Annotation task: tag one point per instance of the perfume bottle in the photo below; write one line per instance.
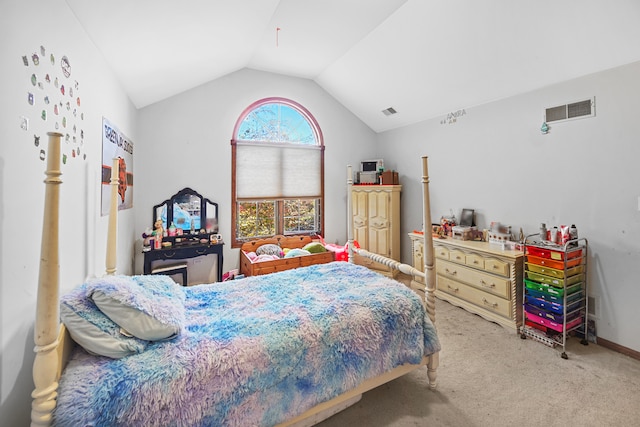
(543, 231)
(573, 232)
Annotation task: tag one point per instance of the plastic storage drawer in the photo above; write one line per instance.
(553, 281)
(551, 290)
(551, 324)
(551, 254)
(558, 265)
(571, 298)
(550, 306)
(552, 272)
(554, 317)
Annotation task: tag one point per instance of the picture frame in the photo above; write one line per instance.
(467, 217)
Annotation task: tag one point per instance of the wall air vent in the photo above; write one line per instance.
(389, 111)
(575, 110)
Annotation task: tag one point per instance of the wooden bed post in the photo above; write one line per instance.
(349, 214)
(47, 324)
(430, 278)
(113, 219)
(429, 273)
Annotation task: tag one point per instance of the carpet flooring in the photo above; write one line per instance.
(489, 376)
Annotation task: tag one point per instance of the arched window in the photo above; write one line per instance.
(278, 172)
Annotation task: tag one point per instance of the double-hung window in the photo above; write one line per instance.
(278, 172)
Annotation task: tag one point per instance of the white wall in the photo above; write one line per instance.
(185, 140)
(495, 160)
(24, 27)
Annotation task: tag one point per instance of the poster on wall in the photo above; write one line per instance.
(116, 145)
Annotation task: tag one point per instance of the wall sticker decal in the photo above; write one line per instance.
(51, 102)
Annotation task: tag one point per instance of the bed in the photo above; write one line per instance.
(307, 343)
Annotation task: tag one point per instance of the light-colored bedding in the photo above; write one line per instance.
(256, 351)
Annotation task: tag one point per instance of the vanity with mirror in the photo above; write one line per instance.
(188, 224)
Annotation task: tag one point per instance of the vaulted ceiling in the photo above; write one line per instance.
(424, 58)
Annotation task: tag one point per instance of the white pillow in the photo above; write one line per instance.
(93, 330)
(148, 307)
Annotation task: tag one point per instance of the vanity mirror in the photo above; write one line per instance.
(190, 213)
(188, 210)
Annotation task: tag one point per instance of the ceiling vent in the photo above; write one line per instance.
(389, 111)
(575, 110)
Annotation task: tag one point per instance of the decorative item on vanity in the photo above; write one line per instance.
(447, 223)
(467, 229)
(461, 232)
(499, 234)
(559, 235)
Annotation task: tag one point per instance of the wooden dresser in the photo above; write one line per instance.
(376, 223)
(477, 276)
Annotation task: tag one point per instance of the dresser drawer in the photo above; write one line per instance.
(497, 266)
(458, 256)
(475, 261)
(475, 296)
(487, 282)
(441, 252)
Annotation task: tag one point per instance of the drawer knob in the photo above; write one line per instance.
(489, 304)
(452, 289)
(453, 273)
(487, 285)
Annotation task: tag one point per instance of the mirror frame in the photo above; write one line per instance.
(204, 202)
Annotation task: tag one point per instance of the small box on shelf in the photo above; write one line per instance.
(460, 232)
(389, 178)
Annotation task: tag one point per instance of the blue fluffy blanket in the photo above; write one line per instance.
(255, 352)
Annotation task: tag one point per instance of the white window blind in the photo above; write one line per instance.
(277, 171)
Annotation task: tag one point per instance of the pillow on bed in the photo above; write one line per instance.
(93, 330)
(270, 249)
(297, 252)
(148, 307)
(315, 247)
(251, 255)
(266, 257)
